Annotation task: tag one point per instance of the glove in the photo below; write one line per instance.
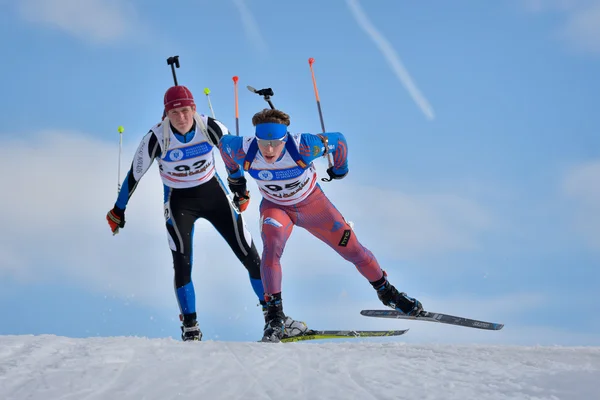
(241, 202)
(339, 174)
(116, 219)
(241, 195)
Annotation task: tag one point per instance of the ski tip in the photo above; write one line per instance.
(235, 79)
(311, 61)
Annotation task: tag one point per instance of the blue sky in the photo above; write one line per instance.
(474, 161)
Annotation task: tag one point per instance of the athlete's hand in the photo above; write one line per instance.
(337, 173)
(241, 202)
(116, 219)
(241, 196)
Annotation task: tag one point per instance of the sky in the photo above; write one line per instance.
(132, 368)
(474, 160)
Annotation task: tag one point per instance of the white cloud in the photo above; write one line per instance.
(101, 21)
(63, 183)
(413, 224)
(583, 28)
(62, 186)
(250, 25)
(582, 185)
(391, 57)
(581, 25)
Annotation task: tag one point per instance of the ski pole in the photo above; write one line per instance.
(174, 62)
(237, 115)
(310, 63)
(120, 129)
(207, 93)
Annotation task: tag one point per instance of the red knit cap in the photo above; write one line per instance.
(178, 96)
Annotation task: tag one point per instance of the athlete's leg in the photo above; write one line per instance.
(276, 227)
(222, 214)
(319, 216)
(228, 221)
(180, 231)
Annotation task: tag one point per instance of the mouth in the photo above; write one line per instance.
(180, 125)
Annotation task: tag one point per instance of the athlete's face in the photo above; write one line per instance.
(182, 118)
(270, 149)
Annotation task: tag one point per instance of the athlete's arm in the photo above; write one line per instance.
(232, 150)
(315, 146)
(145, 154)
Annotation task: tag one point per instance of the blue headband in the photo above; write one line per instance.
(271, 131)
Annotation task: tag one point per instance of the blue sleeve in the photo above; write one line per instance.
(124, 193)
(233, 154)
(145, 154)
(313, 147)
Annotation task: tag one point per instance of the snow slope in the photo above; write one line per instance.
(58, 368)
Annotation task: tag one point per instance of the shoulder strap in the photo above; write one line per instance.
(166, 137)
(291, 148)
(250, 154)
(200, 123)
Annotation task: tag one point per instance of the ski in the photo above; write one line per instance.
(317, 335)
(435, 317)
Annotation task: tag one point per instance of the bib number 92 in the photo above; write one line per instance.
(184, 168)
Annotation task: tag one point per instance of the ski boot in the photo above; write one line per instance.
(190, 331)
(399, 301)
(291, 326)
(274, 320)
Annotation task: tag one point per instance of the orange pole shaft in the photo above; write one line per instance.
(310, 63)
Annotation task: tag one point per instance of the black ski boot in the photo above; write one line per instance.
(399, 301)
(274, 320)
(190, 331)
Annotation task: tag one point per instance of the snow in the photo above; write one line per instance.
(60, 368)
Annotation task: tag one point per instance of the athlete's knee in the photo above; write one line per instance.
(352, 250)
(252, 262)
(272, 252)
(182, 265)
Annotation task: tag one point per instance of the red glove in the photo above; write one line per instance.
(241, 202)
(116, 219)
(241, 195)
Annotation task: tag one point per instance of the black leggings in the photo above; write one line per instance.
(209, 201)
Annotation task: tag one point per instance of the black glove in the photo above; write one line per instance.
(241, 196)
(339, 175)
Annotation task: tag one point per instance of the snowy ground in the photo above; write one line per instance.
(58, 368)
